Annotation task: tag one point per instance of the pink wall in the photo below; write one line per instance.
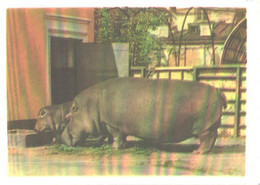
(27, 86)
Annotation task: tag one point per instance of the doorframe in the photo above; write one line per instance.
(66, 27)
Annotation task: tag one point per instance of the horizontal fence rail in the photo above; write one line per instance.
(230, 79)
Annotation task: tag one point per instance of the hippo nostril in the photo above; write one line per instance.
(38, 129)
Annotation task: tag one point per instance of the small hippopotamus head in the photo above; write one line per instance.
(44, 120)
(79, 126)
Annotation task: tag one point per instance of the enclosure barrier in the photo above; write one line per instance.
(230, 79)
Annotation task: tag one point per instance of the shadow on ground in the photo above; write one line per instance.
(188, 148)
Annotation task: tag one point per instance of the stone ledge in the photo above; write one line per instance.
(22, 138)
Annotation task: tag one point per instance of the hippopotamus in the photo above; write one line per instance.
(53, 118)
(158, 111)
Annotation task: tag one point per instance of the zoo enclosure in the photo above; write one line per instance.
(230, 79)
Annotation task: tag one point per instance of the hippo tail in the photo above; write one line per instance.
(223, 98)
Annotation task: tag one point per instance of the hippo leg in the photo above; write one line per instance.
(57, 139)
(118, 139)
(110, 139)
(207, 140)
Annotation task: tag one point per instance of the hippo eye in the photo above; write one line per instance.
(74, 109)
(42, 113)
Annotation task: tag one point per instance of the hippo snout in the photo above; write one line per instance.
(39, 128)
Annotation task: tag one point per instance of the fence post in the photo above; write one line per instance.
(158, 75)
(143, 71)
(237, 105)
(195, 75)
(182, 75)
(169, 75)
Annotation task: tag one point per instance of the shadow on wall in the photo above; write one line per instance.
(80, 65)
(99, 62)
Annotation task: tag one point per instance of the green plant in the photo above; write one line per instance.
(132, 25)
(68, 149)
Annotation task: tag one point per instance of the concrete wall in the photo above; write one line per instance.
(121, 53)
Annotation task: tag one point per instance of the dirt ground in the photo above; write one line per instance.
(138, 159)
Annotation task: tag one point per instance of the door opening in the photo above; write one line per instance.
(63, 73)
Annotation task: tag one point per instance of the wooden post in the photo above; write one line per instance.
(182, 74)
(237, 104)
(185, 55)
(195, 74)
(204, 54)
(143, 72)
(158, 74)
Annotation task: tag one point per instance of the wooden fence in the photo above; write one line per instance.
(231, 79)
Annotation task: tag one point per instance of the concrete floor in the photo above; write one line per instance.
(226, 159)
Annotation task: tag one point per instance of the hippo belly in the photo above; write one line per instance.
(161, 110)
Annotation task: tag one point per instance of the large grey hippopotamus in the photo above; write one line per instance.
(53, 118)
(159, 111)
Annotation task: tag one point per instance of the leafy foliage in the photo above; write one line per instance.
(132, 25)
(68, 149)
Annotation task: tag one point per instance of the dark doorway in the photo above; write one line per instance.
(63, 73)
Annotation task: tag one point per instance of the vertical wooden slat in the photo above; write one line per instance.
(204, 54)
(169, 77)
(182, 74)
(158, 74)
(185, 49)
(195, 74)
(237, 105)
(143, 72)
